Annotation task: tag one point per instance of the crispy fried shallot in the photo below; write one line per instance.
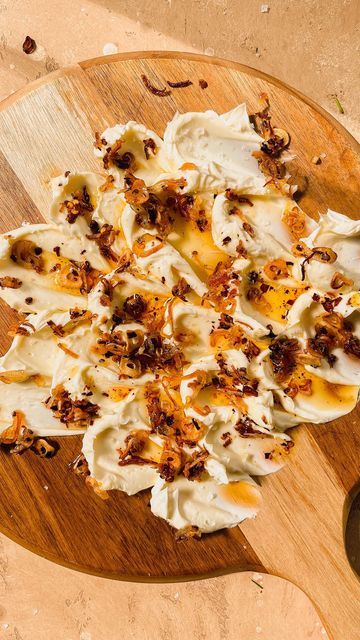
(171, 461)
(154, 90)
(150, 148)
(190, 532)
(80, 205)
(21, 438)
(295, 221)
(194, 467)
(276, 269)
(339, 280)
(27, 254)
(180, 84)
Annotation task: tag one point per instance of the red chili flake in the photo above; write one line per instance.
(203, 84)
(251, 350)
(226, 321)
(154, 90)
(124, 161)
(29, 45)
(179, 85)
(246, 427)
(94, 226)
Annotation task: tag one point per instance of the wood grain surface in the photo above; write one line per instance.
(48, 128)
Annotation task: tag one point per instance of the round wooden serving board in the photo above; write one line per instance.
(48, 128)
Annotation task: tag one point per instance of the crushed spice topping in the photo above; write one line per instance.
(75, 414)
(237, 197)
(223, 286)
(134, 306)
(134, 445)
(270, 166)
(333, 331)
(79, 206)
(295, 220)
(276, 269)
(171, 461)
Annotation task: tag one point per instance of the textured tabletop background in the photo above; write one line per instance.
(312, 45)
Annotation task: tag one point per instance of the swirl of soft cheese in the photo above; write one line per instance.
(64, 188)
(327, 401)
(28, 351)
(133, 136)
(123, 285)
(42, 287)
(79, 369)
(166, 264)
(191, 326)
(342, 235)
(345, 370)
(106, 436)
(220, 146)
(258, 408)
(35, 354)
(271, 237)
(107, 201)
(206, 504)
(259, 455)
(227, 224)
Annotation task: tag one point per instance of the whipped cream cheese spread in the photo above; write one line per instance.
(181, 312)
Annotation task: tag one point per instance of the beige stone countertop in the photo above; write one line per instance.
(312, 45)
